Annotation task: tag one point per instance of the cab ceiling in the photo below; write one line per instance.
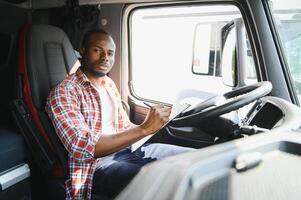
(36, 4)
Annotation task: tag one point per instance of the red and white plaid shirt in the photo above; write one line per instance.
(74, 107)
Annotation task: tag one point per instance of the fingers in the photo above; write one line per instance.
(157, 116)
(160, 114)
(163, 115)
(162, 108)
(161, 111)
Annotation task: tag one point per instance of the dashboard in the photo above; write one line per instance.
(212, 172)
(271, 112)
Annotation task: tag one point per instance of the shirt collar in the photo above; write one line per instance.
(83, 79)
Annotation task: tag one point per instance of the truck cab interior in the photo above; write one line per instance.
(236, 63)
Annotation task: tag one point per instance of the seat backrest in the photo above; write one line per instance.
(46, 57)
(50, 57)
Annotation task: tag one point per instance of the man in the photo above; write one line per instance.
(88, 116)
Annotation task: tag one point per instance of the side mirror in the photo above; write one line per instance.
(228, 55)
(201, 49)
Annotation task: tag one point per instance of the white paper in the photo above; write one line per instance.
(175, 111)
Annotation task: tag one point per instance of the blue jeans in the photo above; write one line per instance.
(115, 171)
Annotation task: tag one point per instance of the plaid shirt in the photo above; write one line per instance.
(74, 107)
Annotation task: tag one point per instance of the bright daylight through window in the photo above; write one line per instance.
(287, 16)
(175, 51)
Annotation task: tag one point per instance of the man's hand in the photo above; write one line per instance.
(155, 119)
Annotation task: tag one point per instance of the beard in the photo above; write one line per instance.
(90, 68)
(96, 72)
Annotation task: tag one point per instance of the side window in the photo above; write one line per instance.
(204, 55)
(287, 18)
(176, 51)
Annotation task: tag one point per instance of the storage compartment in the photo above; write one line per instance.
(14, 172)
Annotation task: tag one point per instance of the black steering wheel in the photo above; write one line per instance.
(222, 104)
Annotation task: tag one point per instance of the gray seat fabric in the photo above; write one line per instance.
(49, 59)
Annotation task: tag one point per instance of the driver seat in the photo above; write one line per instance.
(46, 57)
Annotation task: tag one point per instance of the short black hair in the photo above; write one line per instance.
(90, 33)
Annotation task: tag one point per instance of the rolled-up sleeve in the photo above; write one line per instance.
(63, 108)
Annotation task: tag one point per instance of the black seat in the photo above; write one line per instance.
(50, 57)
(46, 57)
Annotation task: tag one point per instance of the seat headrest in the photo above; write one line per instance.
(49, 58)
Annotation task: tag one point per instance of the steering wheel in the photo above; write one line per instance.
(222, 104)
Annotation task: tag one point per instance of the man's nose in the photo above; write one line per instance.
(104, 57)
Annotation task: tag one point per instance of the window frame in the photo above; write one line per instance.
(127, 42)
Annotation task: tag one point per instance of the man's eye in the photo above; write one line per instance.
(96, 50)
(111, 54)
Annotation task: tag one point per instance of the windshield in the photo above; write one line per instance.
(287, 17)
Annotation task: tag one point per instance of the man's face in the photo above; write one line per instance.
(98, 56)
